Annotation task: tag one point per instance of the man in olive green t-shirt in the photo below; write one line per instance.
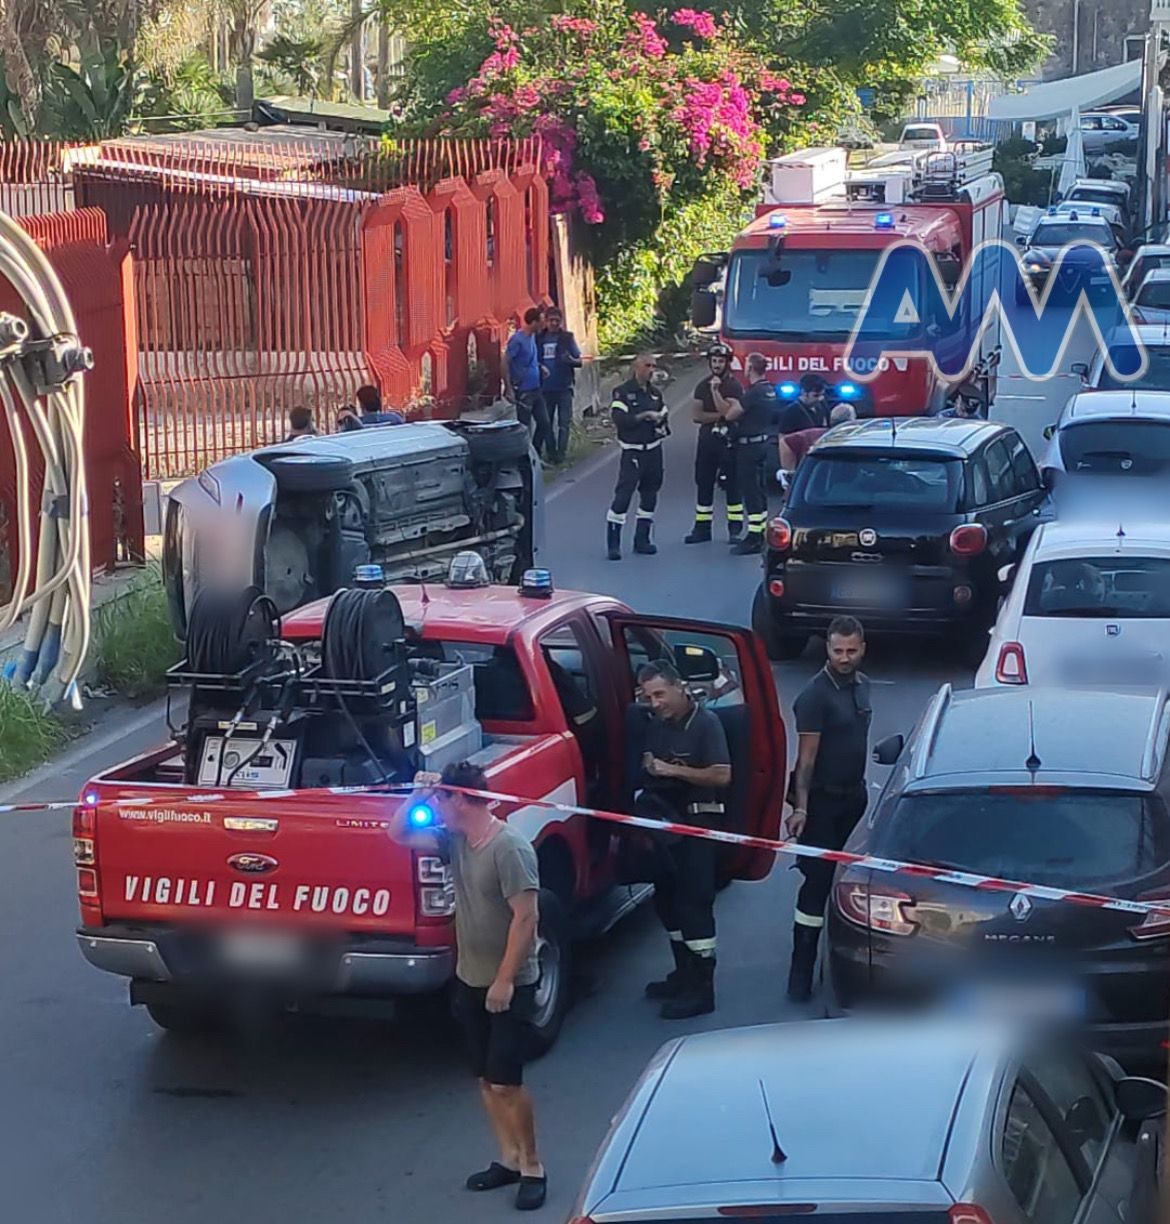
(496, 883)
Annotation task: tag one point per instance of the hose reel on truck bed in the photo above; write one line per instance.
(270, 713)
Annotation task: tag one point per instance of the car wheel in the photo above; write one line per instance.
(184, 1020)
(502, 443)
(554, 952)
(306, 473)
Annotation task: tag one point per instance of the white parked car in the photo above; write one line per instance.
(1154, 338)
(1146, 258)
(1089, 605)
(1109, 433)
(923, 136)
(1151, 303)
(1102, 131)
(1111, 210)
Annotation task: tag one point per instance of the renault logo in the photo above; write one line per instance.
(1113, 631)
(867, 537)
(253, 864)
(1021, 907)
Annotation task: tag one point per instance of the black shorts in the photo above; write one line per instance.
(498, 1043)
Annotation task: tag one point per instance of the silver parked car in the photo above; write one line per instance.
(894, 1121)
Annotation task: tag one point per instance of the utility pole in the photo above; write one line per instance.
(357, 59)
(1152, 165)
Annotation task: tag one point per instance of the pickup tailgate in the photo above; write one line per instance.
(319, 860)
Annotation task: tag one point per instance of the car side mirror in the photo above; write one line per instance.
(1139, 1098)
(950, 268)
(1048, 478)
(889, 750)
(1006, 574)
(696, 664)
(703, 308)
(1081, 370)
(1021, 240)
(1049, 432)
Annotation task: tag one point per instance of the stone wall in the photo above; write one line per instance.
(1101, 29)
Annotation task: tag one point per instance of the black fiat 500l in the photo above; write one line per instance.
(905, 523)
(1061, 788)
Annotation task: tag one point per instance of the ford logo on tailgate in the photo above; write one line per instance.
(253, 864)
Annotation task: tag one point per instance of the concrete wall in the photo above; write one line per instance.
(1101, 29)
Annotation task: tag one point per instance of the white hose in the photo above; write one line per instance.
(58, 632)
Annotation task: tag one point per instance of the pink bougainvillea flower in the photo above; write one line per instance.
(797, 99)
(645, 37)
(703, 25)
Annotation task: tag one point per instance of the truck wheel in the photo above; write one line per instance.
(554, 951)
(183, 1021)
(307, 473)
(502, 443)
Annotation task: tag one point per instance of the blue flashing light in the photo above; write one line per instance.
(777, 220)
(537, 583)
(788, 389)
(848, 390)
(1096, 212)
(883, 220)
(1052, 210)
(421, 816)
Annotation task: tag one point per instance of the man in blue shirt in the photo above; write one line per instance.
(522, 381)
(560, 358)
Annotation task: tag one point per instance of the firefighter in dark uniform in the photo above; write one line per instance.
(686, 770)
(714, 398)
(750, 423)
(829, 796)
(641, 419)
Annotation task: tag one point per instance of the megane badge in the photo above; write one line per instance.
(1113, 630)
(867, 537)
(1021, 907)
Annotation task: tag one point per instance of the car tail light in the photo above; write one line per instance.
(875, 907)
(87, 882)
(436, 890)
(780, 534)
(84, 828)
(86, 860)
(969, 540)
(1156, 924)
(1011, 667)
(776, 588)
(968, 1213)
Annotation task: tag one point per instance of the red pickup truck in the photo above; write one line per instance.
(305, 894)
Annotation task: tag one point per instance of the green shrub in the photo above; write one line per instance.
(133, 642)
(28, 735)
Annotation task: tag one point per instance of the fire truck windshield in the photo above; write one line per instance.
(811, 295)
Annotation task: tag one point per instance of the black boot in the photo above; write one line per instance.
(697, 997)
(671, 985)
(700, 534)
(642, 541)
(613, 540)
(804, 962)
(734, 530)
(753, 542)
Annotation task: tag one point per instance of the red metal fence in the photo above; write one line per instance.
(98, 279)
(277, 270)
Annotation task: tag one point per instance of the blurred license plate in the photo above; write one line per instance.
(1119, 670)
(264, 951)
(872, 589)
(1035, 1001)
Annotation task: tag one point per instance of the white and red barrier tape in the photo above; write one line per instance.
(965, 879)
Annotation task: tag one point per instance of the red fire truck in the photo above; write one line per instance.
(290, 891)
(795, 279)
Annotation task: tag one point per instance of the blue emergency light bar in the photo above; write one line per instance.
(777, 220)
(788, 389)
(848, 391)
(537, 584)
(883, 220)
(1052, 210)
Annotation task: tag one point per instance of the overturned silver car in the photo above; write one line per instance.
(296, 519)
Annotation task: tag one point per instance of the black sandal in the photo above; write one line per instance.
(532, 1193)
(493, 1177)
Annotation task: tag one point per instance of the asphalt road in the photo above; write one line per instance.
(104, 1118)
